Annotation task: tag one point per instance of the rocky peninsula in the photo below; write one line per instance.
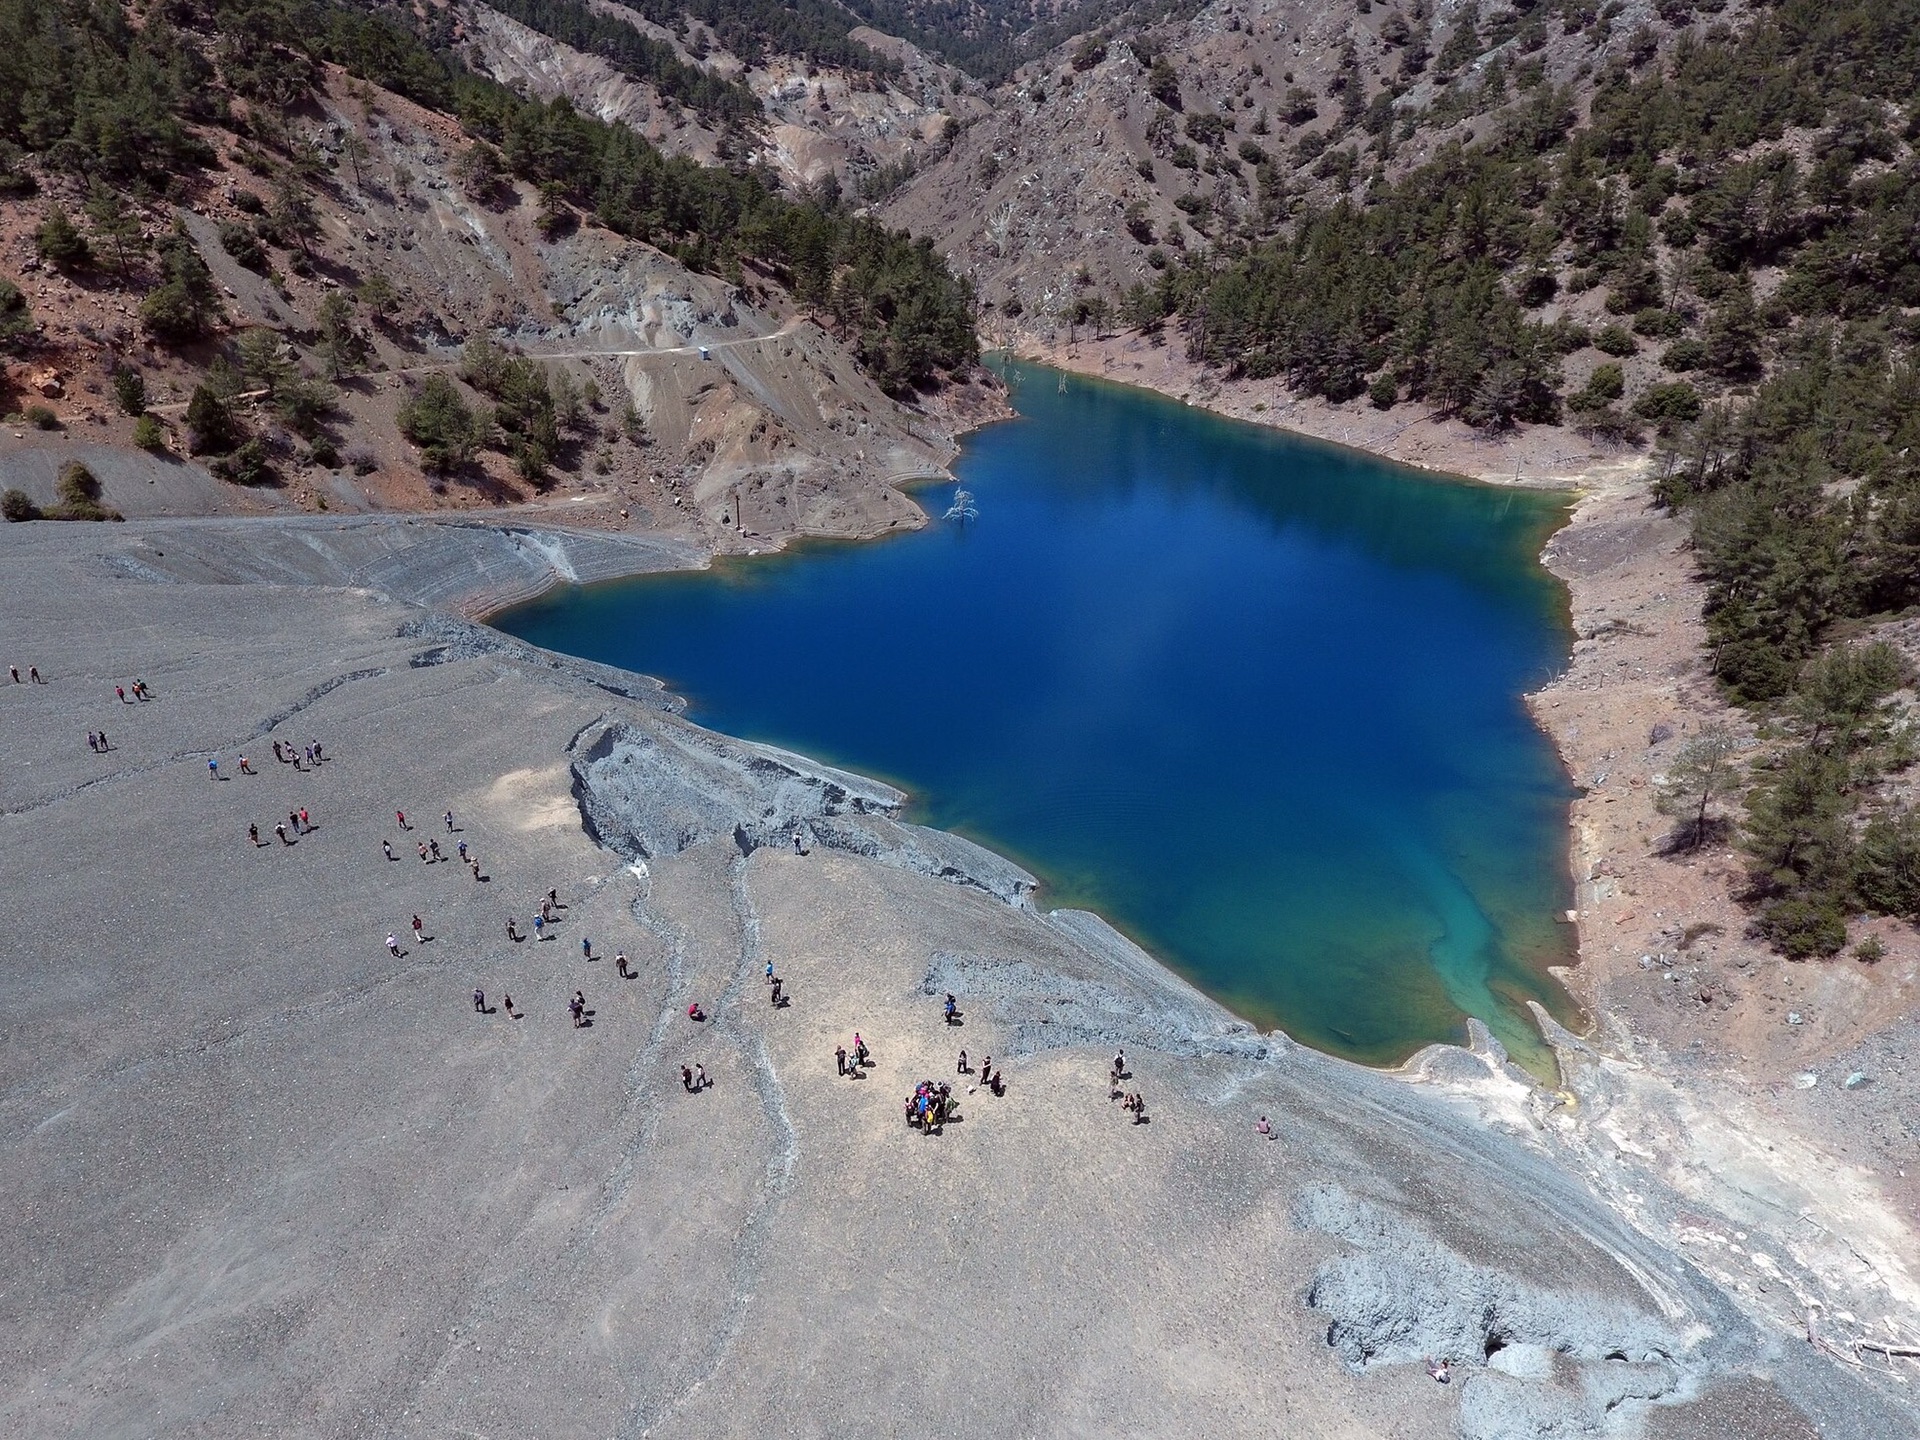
(266, 1175)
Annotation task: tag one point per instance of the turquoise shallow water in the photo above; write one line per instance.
(1254, 699)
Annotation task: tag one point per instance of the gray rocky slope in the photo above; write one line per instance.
(262, 1176)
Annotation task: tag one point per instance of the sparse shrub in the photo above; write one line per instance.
(149, 434)
(1091, 52)
(1657, 324)
(60, 242)
(1163, 83)
(42, 418)
(243, 245)
(1668, 404)
(18, 506)
(16, 317)
(1614, 340)
(1685, 355)
(130, 390)
(442, 424)
(184, 307)
(1606, 384)
(211, 427)
(79, 491)
(248, 465)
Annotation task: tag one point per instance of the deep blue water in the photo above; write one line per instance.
(1254, 699)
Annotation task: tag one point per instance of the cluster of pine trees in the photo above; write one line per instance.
(1432, 287)
(1804, 506)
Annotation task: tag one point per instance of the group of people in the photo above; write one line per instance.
(989, 1076)
(1131, 1101)
(33, 675)
(845, 1064)
(930, 1106)
(140, 691)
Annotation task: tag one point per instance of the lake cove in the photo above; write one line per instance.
(1254, 699)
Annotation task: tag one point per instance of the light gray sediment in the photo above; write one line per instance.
(262, 1178)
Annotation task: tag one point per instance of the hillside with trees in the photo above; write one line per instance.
(267, 228)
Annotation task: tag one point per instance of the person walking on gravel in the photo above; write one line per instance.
(479, 1000)
(386, 849)
(393, 945)
(449, 818)
(281, 831)
(418, 938)
(401, 816)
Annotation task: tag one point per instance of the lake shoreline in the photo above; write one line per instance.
(1689, 1041)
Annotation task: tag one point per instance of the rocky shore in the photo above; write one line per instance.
(265, 1176)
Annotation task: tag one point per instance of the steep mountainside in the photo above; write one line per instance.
(1687, 226)
(336, 294)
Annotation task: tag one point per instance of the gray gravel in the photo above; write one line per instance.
(263, 1178)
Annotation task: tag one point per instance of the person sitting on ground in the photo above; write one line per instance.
(1263, 1126)
(695, 1013)
(1439, 1370)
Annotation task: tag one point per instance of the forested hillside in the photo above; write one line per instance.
(129, 109)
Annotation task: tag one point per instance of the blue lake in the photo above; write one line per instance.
(1254, 699)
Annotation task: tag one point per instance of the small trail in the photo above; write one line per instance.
(258, 732)
(592, 353)
(750, 1249)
